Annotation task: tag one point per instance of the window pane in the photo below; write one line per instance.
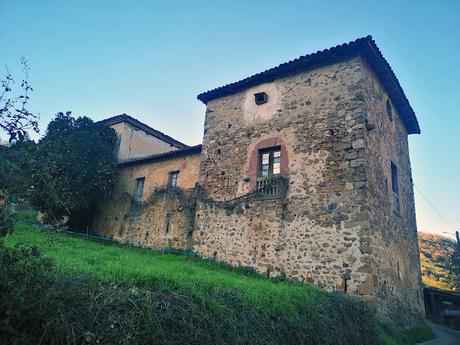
(277, 154)
(264, 170)
(139, 188)
(173, 179)
(276, 168)
(265, 158)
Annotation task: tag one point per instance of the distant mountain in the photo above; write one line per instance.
(434, 251)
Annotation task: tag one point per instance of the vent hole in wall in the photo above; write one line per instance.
(260, 98)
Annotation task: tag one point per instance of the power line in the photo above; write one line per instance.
(434, 208)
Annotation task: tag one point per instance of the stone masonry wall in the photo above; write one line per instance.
(333, 229)
(396, 276)
(315, 234)
(164, 217)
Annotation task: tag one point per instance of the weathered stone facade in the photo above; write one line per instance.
(395, 275)
(335, 225)
(165, 216)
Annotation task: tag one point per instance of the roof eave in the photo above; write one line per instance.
(191, 150)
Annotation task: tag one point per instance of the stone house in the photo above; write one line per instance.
(304, 170)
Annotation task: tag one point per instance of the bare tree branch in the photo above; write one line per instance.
(15, 118)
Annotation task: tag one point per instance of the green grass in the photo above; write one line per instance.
(169, 299)
(125, 264)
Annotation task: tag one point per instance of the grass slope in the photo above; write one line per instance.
(114, 263)
(108, 293)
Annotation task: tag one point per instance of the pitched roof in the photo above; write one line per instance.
(364, 46)
(142, 126)
(162, 156)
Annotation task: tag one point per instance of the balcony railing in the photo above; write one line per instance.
(271, 187)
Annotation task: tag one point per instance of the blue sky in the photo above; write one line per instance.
(150, 59)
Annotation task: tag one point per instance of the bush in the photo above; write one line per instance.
(27, 215)
(389, 334)
(6, 220)
(39, 303)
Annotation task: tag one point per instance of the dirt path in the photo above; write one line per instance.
(444, 335)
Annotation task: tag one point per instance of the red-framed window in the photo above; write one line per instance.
(270, 161)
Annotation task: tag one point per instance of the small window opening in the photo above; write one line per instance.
(173, 176)
(389, 110)
(139, 188)
(260, 98)
(270, 161)
(398, 270)
(395, 188)
(167, 225)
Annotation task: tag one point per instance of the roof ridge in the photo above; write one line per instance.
(146, 128)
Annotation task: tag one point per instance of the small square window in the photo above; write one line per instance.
(173, 176)
(260, 98)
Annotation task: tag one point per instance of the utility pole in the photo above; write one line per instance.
(457, 258)
(458, 241)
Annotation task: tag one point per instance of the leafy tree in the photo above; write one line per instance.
(73, 165)
(15, 118)
(16, 162)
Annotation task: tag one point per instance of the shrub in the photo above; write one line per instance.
(6, 220)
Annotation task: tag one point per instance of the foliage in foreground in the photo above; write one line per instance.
(128, 295)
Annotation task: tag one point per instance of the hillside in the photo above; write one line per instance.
(434, 251)
(68, 289)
